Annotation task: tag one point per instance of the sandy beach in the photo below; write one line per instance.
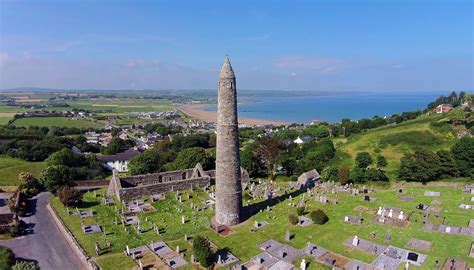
(197, 111)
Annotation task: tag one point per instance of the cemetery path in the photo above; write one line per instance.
(45, 243)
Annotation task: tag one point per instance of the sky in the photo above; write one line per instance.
(321, 45)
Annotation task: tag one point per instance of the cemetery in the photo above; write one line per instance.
(157, 230)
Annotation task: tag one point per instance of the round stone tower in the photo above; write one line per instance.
(228, 186)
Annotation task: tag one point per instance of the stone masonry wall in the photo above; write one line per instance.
(126, 194)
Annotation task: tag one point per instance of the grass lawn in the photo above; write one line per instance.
(243, 241)
(11, 167)
(56, 122)
(370, 141)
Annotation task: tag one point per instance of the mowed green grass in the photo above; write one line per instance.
(369, 141)
(243, 242)
(10, 168)
(56, 122)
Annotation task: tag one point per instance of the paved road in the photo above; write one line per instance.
(45, 244)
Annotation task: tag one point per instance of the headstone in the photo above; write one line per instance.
(355, 241)
(182, 220)
(379, 212)
(390, 213)
(219, 259)
(177, 249)
(128, 250)
(287, 236)
(303, 264)
(448, 229)
(400, 216)
(346, 219)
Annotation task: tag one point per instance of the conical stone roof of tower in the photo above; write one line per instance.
(227, 71)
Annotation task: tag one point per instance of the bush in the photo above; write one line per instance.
(7, 258)
(202, 251)
(300, 210)
(53, 177)
(319, 217)
(23, 265)
(293, 219)
(69, 196)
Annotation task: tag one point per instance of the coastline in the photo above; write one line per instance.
(198, 111)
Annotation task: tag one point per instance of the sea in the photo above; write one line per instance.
(331, 108)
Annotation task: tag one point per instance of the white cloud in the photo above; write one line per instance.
(323, 65)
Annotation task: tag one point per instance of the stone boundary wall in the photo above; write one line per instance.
(88, 262)
(147, 190)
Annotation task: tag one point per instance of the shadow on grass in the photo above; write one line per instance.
(87, 204)
(252, 209)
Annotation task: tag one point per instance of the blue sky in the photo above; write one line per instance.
(330, 45)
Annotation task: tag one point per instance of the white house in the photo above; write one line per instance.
(119, 161)
(301, 140)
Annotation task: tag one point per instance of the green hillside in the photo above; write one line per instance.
(393, 141)
(10, 168)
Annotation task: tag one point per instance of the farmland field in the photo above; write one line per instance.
(56, 122)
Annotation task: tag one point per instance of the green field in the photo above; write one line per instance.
(369, 141)
(4, 120)
(56, 122)
(243, 241)
(123, 105)
(11, 167)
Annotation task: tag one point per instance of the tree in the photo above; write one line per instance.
(463, 153)
(65, 157)
(363, 160)
(329, 174)
(69, 196)
(374, 175)
(268, 149)
(189, 157)
(29, 184)
(447, 166)
(24, 265)
(150, 161)
(318, 217)
(202, 251)
(250, 162)
(381, 162)
(55, 176)
(422, 165)
(293, 219)
(117, 145)
(7, 258)
(343, 174)
(317, 155)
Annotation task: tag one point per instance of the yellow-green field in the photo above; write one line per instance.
(369, 141)
(57, 122)
(11, 167)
